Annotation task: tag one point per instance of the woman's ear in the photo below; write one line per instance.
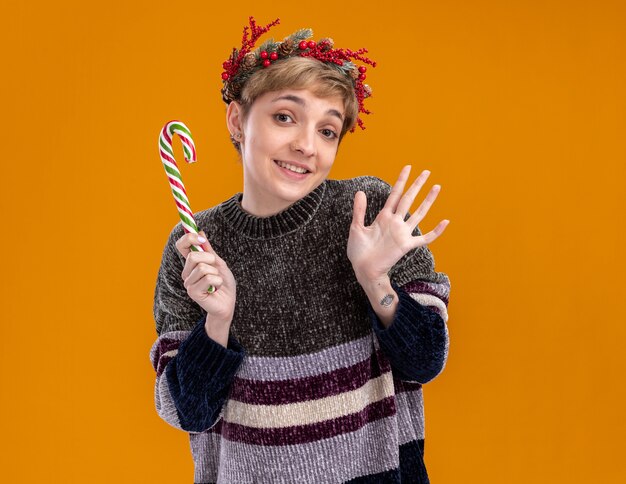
(234, 118)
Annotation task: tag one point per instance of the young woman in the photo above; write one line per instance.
(306, 363)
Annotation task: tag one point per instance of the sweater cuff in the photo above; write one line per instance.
(400, 331)
(207, 357)
(415, 340)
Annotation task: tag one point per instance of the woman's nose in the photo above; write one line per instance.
(304, 142)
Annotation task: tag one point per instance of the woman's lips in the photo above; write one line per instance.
(291, 174)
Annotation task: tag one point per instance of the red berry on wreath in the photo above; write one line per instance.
(303, 45)
(264, 55)
(362, 69)
(273, 56)
(311, 44)
(225, 75)
(266, 63)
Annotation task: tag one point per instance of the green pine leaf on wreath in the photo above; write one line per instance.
(269, 45)
(301, 35)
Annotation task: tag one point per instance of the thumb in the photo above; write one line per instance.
(358, 211)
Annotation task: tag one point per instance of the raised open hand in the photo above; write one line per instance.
(375, 249)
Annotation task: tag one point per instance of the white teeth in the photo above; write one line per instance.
(291, 167)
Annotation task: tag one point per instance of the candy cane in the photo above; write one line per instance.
(174, 177)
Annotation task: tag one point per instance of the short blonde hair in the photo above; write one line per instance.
(301, 73)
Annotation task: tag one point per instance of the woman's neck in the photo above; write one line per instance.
(263, 208)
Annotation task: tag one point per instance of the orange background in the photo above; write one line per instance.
(518, 111)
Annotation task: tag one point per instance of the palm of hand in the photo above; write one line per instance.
(375, 249)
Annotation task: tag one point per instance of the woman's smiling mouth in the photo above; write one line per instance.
(291, 167)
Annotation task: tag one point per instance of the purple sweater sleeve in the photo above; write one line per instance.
(193, 372)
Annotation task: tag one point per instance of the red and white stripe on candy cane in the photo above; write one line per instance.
(173, 174)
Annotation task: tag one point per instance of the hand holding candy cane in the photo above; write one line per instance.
(203, 269)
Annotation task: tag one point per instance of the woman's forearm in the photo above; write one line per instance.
(383, 298)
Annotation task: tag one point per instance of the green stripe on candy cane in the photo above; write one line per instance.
(177, 127)
(166, 147)
(174, 177)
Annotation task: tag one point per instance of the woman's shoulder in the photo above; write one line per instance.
(374, 187)
(366, 181)
(204, 219)
(342, 195)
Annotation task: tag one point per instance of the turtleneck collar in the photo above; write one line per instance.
(290, 219)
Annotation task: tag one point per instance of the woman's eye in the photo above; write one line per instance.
(329, 133)
(282, 117)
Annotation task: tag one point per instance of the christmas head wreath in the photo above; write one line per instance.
(245, 61)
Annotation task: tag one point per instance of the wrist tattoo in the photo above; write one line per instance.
(386, 301)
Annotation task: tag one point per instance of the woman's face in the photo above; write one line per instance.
(288, 127)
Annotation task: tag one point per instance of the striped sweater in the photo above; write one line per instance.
(311, 388)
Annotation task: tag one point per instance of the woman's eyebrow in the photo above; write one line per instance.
(302, 102)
